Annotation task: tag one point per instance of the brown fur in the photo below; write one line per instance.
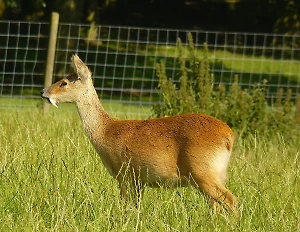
(173, 151)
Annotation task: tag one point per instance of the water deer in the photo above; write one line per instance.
(189, 149)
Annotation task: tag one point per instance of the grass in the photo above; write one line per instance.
(52, 180)
(125, 110)
(239, 62)
(136, 68)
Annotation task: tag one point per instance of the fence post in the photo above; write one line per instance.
(51, 54)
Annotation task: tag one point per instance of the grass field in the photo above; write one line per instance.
(52, 180)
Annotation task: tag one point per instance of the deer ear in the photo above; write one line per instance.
(80, 68)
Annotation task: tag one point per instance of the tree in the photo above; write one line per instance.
(280, 16)
(288, 21)
(71, 11)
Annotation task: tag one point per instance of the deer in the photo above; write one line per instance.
(176, 151)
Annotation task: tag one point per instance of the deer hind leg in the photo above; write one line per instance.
(218, 195)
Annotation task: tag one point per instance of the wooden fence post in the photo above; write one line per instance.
(51, 54)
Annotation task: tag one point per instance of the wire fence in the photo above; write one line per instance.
(123, 59)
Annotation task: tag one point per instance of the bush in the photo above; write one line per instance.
(245, 110)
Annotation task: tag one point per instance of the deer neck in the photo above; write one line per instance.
(93, 116)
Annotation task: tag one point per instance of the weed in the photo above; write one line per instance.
(245, 110)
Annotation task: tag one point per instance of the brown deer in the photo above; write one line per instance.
(172, 151)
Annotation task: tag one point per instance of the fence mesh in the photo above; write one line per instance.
(123, 59)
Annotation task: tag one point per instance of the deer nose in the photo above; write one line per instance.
(42, 92)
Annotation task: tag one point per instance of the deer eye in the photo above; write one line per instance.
(62, 84)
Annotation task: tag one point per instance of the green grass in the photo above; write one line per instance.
(239, 62)
(125, 110)
(252, 67)
(52, 180)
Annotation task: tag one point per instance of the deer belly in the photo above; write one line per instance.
(159, 176)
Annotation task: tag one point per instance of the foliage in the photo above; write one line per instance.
(246, 110)
(277, 16)
(288, 23)
(288, 20)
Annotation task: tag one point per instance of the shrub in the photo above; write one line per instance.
(245, 110)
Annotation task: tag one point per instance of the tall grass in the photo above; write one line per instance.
(52, 180)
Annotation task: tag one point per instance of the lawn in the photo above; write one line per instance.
(52, 180)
